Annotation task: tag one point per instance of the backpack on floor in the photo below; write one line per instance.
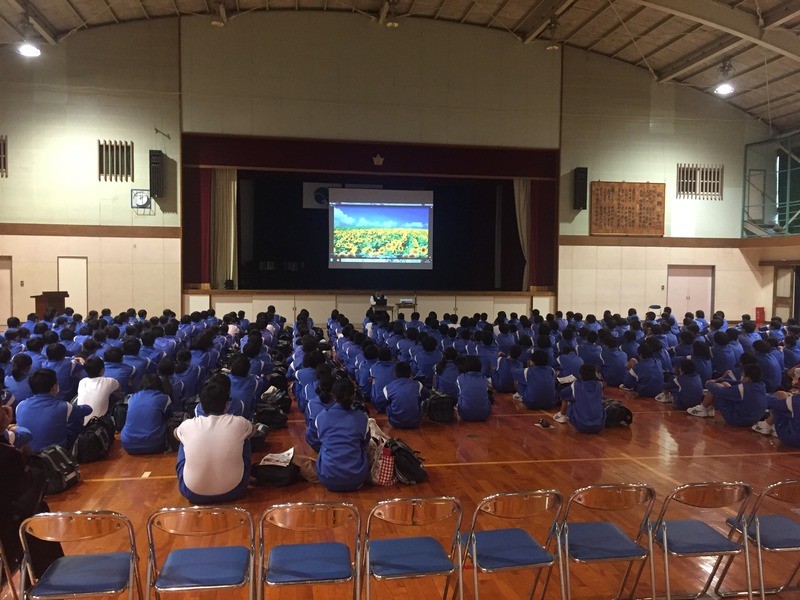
(119, 413)
(617, 413)
(275, 475)
(440, 407)
(58, 467)
(278, 398)
(407, 463)
(94, 441)
(271, 416)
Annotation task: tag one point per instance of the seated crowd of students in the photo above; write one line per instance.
(62, 371)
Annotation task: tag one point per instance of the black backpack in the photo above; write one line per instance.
(119, 413)
(271, 416)
(617, 414)
(277, 398)
(407, 464)
(440, 407)
(58, 469)
(94, 441)
(276, 476)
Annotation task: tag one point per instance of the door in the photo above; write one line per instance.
(690, 288)
(783, 293)
(73, 278)
(6, 290)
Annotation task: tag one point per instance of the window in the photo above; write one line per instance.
(115, 160)
(3, 156)
(700, 182)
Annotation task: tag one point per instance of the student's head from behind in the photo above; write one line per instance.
(687, 367)
(43, 381)
(152, 381)
(761, 346)
(646, 350)
(131, 346)
(587, 372)
(429, 344)
(720, 339)
(114, 355)
(402, 370)
(213, 398)
(384, 354)
(700, 349)
(515, 351)
(540, 358)
(471, 364)
(487, 338)
(450, 354)
(591, 336)
(35, 345)
(748, 326)
(56, 352)
(344, 392)
(94, 367)
(751, 373)
(21, 366)
(240, 366)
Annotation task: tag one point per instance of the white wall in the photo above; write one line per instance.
(624, 126)
(342, 76)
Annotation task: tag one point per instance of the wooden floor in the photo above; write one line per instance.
(663, 447)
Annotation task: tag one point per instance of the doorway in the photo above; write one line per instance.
(73, 278)
(6, 290)
(690, 288)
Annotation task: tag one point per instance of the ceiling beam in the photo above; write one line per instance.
(37, 20)
(734, 22)
(12, 28)
(777, 17)
(614, 28)
(710, 52)
(539, 18)
(643, 34)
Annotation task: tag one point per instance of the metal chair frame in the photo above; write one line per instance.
(417, 505)
(9, 574)
(536, 502)
(332, 509)
(244, 520)
(76, 526)
(711, 494)
(614, 497)
(787, 491)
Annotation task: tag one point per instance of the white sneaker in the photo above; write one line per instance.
(559, 418)
(701, 411)
(763, 428)
(623, 387)
(516, 396)
(664, 398)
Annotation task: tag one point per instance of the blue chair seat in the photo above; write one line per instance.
(778, 532)
(85, 574)
(401, 557)
(507, 549)
(692, 537)
(601, 541)
(303, 563)
(204, 567)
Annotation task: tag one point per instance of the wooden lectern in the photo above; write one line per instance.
(48, 300)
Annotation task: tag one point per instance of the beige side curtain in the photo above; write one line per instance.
(224, 247)
(522, 204)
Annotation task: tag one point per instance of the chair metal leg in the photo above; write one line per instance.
(747, 562)
(9, 579)
(566, 561)
(460, 569)
(23, 572)
(474, 543)
(665, 548)
(149, 580)
(367, 577)
(652, 561)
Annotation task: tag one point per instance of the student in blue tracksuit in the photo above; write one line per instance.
(473, 391)
(149, 352)
(118, 370)
(723, 358)
(582, 403)
(68, 372)
(568, 361)
(536, 385)
(504, 339)
(771, 371)
(630, 345)
(404, 396)
(187, 373)
(424, 361)
(590, 350)
(613, 366)
(245, 387)
(369, 356)
(486, 349)
(741, 402)
(146, 422)
(17, 381)
(749, 335)
(447, 371)
(305, 376)
(50, 420)
(791, 351)
(320, 399)
(645, 374)
(381, 373)
(685, 389)
(342, 465)
(130, 356)
(506, 370)
(34, 349)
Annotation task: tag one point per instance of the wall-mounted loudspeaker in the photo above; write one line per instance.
(157, 175)
(580, 181)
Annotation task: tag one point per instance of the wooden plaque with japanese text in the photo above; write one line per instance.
(627, 208)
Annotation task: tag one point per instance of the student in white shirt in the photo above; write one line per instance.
(95, 390)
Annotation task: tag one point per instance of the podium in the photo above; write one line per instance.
(49, 300)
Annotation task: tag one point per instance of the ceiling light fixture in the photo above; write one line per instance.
(725, 87)
(29, 50)
(552, 42)
(391, 21)
(220, 19)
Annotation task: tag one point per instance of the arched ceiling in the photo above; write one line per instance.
(681, 41)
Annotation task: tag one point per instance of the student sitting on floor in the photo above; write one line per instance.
(685, 389)
(424, 361)
(742, 403)
(505, 370)
(146, 422)
(473, 391)
(582, 403)
(447, 371)
(536, 385)
(214, 457)
(614, 361)
(783, 421)
(569, 363)
(17, 381)
(771, 371)
(381, 373)
(404, 396)
(645, 374)
(320, 398)
(95, 390)
(342, 465)
(50, 420)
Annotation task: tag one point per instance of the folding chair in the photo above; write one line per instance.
(79, 575)
(8, 574)
(770, 532)
(398, 555)
(605, 541)
(512, 548)
(201, 561)
(694, 537)
(325, 545)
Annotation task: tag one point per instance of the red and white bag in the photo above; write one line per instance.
(381, 457)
